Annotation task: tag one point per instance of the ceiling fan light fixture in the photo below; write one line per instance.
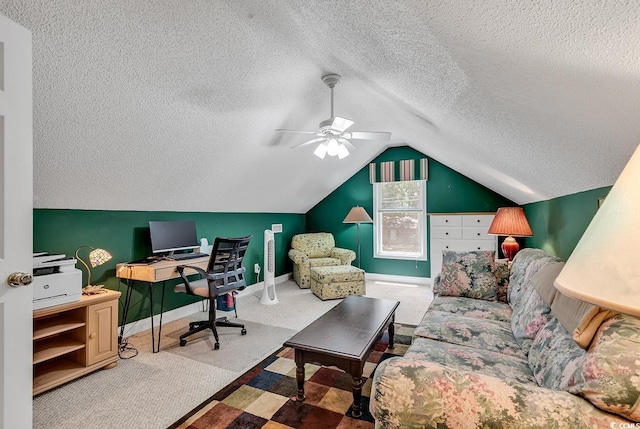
(332, 147)
(320, 151)
(343, 152)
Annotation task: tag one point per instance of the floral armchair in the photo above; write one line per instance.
(316, 249)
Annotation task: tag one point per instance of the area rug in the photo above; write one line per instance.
(262, 397)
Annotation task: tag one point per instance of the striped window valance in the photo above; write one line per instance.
(398, 171)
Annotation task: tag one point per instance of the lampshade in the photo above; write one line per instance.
(99, 257)
(510, 221)
(96, 257)
(357, 215)
(603, 268)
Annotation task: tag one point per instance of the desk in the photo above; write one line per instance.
(152, 274)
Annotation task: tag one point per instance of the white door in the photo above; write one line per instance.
(16, 217)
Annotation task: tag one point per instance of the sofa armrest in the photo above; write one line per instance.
(345, 255)
(418, 393)
(298, 257)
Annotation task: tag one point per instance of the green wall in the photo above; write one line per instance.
(447, 191)
(558, 224)
(125, 234)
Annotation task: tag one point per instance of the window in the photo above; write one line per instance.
(400, 219)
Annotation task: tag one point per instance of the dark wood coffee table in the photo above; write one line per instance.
(344, 337)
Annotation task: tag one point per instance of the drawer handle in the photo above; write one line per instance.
(446, 233)
(478, 234)
(92, 335)
(446, 220)
(446, 247)
(478, 247)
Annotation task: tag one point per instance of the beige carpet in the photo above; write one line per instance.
(153, 390)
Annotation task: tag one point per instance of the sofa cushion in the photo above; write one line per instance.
(468, 307)
(471, 359)
(315, 245)
(531, 312)
(610, 375)
(414, 393)
(323, 262)
(543, 280)
(579, 318)
(502, 279)
(528, 318)
(554, 356)
(469, 274)
(492, 335)
(525, 264)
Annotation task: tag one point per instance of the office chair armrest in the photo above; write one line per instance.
(180, 269)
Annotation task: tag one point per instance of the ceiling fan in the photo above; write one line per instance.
(333, 137)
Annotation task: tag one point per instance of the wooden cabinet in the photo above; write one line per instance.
(459, 231)
(74, 339)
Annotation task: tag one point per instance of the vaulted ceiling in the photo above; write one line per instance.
(172, 105)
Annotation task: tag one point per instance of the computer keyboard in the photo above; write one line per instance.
(185, 256)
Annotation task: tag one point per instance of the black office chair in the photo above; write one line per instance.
(224, 274)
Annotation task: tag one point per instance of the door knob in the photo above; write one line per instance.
(18, 279)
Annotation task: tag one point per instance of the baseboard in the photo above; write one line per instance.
(187, 310)
(397, 279)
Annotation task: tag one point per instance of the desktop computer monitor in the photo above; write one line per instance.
(169, 236)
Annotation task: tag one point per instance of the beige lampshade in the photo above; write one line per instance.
(357, 215)
(510, 221)
(603, 268)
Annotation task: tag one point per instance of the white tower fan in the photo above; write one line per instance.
(269, 294)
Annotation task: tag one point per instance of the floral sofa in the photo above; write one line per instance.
(317, 249)
(518, 354)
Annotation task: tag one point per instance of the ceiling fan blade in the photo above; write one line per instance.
(318, 140)
(368, 135)
(296, 131)
(346, 142)
(341, 124)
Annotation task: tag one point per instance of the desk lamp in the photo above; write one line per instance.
(358, 215)
(96, 257)
(603, 268)
(510, 221)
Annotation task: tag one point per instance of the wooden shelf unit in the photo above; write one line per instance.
(74, 339)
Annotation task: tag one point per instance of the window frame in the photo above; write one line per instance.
(377, 221)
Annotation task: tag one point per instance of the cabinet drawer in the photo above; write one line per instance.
(446, 220)
(479, 233)
(477, 220)
(443, 232)
(463, 245)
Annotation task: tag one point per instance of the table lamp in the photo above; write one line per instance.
(96, 257)
(510, 221)
(603, 268)
(358, 215)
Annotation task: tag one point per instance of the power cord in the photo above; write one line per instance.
(126, 350)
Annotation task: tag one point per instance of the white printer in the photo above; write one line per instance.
(56, 280)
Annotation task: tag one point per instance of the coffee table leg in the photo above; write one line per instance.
(356, 387)
(300, 375)
(392, 330)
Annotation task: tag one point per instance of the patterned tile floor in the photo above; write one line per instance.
(261, 398)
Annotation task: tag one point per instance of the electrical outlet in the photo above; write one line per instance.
(276, 228)
(256, 268)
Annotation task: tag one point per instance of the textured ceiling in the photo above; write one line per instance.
(172, 105)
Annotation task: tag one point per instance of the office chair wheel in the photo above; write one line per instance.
(243, 332)
(183, 343)
(216, 346)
